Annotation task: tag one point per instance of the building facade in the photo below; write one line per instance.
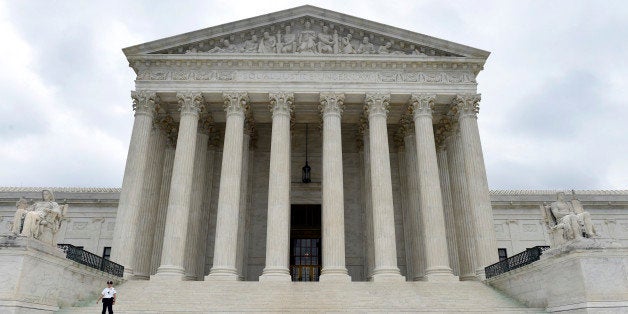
(309, 145)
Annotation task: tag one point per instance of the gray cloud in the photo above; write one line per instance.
(554, 88)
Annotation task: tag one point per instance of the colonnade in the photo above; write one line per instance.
(446, 192)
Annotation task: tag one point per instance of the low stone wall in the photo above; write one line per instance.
(579, 281)
(37, 278)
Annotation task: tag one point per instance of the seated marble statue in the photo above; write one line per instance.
(20, 215)
(44, 220)
(567, 220)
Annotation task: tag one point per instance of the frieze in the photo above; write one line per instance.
(425, 77)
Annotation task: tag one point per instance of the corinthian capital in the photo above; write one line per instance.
(144, 102)
(442, 130)
(190, 102)
(422, 104)
(206, 124)
(281, 103)
(332, 103)
(377, 104)
(466, 105)
(236, 102)
(406, 123)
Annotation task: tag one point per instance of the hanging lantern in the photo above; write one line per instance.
(305, 171)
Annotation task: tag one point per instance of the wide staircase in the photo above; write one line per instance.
(312, 297)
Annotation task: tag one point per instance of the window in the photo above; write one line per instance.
(106, 252)
(503, 254)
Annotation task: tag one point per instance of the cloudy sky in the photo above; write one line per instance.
(554, 90)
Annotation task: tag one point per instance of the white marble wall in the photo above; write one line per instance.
(516, 214)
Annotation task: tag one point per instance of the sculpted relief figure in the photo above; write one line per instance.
(307, 39)
(267, 44)
(567, 220)
(227, 47)
(288, 42)
(366, 47)
(251, 45)
(346, 45)
(44, 220)
(326, 42)
(20, 214)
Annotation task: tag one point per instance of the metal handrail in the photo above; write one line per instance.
(92, 260)
(519, 260)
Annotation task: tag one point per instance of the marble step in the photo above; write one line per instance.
(204, 296)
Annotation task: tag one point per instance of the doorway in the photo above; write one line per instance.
(305, 242)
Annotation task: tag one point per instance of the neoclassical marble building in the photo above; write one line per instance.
(380, 100)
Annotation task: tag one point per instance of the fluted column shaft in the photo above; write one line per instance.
(278, 225)
(417, 251)
(368, 208)
(450, 223)
(196, 201)
(205, 214)
(465, 225)
(123, 244)
(333, 222)
(240, 256)
(435, 241)
(227, 217)
(175, 233)
(162, 208)
(150, 202)
(486, 242)
(381, 191)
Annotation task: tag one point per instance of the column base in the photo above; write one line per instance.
(169, 273)
(440, 274)
(469, 278)
(128, 273)
(481, 274)
(334, 275)
(275, 275)
(387, 275)
(222, 274)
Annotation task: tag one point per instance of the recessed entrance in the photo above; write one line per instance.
(305, 242)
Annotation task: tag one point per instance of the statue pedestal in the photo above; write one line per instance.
(35, 277)
(583, 277)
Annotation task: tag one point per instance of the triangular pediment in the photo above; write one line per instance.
(306, 30)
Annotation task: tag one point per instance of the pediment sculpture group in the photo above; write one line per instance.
(567, 221)
(307, 41)
(40, 220)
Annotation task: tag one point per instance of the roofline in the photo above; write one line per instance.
(288, 14)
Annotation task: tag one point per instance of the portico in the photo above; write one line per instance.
(218, 143)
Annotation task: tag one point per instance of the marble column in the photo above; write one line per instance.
(227, 217)
(278, 225)
(445, 187)
(405, 199)
(196, 198)
(432, 215)
(150, 201)
(463, 216)
(467, 108)
(333, 222)
(367, 201)
(414, 223)
(123, 243)
(249, 129)
(175, 232)
(164, 193)
(206, 211)
(385, 249)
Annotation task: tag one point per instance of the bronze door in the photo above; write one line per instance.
(305, 243)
